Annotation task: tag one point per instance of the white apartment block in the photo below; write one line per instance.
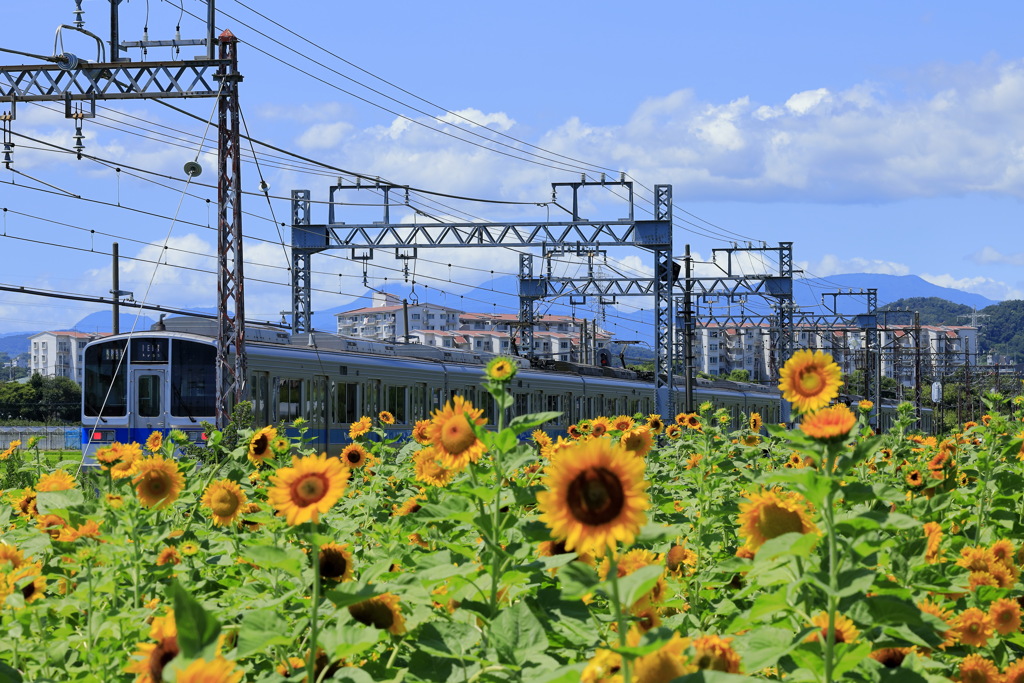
(59, 354)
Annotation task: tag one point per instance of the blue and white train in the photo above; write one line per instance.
(165, 378)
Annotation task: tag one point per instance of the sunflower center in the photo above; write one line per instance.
(332, 564)
(309, 490)
(810, 381)
(457, 435)
(776, 521)
(157, 485)
(596, 496)
(259, 444)
(224, 503)
(354, 457)
(161, 657)
(372, 613)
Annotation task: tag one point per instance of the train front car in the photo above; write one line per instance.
(136, 384)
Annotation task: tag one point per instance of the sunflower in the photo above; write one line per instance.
(673, 432)
(623, 423)
(679, 557)
(829, 424)
(809, 380)
(973, 627)
(219, 670)
(501, 369)
(259, 445)
(630, 562)
(26, 504)
(56, 481)
(354, 455)
(656, 424)
(599, 426)
(156, 655)
(1004, 615)
(29, 580)
(360, 427)
(976, 669)
(188, 548)
(865, 405)
(168, 555)
(846, 632)
(890, 657)
(1014, 673)
(158, 482)
(638, 441)
(386, 417)
(452, 434)
(381, 612)
(573, 431)
(419, 432)
(751, 440)
(50, 524)
(595, 496)
(667, 663)
(409, 506)
(773, 513)
(429, 470)
(309, 487)
(933, 534)
(225, 500)
(914, 479)
(754, 422)
(605, 665)
(689, 420)
(950, 634)
(127, 466)
(155, 442)
(114, 501)
(335, 562)
(715, 653)
(10, 555)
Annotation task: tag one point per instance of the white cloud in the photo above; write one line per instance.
(830, 264)
(324, 135)
(987, 287)
(476, 118)
(992, 256)
(803, 102)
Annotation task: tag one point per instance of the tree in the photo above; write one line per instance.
(739, 375)
(42, 399)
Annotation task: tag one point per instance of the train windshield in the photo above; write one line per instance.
(105, 392)
(193, 379)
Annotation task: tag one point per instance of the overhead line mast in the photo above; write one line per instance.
(71, 79)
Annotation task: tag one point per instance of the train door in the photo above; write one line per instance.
(316, 413)
(149, 409)
(259, 387)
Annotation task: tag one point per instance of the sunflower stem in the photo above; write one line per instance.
(620, 617)
(314, 554)
(828, 516)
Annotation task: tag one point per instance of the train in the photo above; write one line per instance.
(165, 378)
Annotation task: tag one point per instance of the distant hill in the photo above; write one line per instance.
(933, 310)
(1002, 329)
(890, 289)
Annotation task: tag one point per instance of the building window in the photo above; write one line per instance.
(415, 316)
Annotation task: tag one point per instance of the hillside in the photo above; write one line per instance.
(933, 310)
(1002, 329)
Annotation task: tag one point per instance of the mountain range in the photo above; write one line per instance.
(624, 320)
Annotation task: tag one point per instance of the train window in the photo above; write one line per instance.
(522, 404)
(572, 412)
(554, 403)
(489, 407)
(346, 403)
(372, 395)
(578, 411)
(419, 402)
(396, 403)
(193, 379)
(149, 350)
(259, 383)
(289, 399)
(149, 395)
(436, 398)
(106, 383)
(316, 402)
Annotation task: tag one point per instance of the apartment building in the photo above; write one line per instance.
(59, 354)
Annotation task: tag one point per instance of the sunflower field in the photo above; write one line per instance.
(630, 550)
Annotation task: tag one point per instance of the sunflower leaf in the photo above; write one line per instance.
(51, 502)
(9, 675)
(260, 630)
(634, 586)
(523, 423)
(517, 633)
(197, 629)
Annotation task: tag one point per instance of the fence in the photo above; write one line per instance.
(50, 438)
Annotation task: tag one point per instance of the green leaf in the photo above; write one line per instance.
(350, 594)
(634, 586)
(197, 629)
(763, 647)
(9, 675)
(352, 674)
(50, 502)
(272, 557)
(451, 639)
(855, 581)
(261, 629)
(345, 641)
(524, 423)
(577, 580)
(516, 634)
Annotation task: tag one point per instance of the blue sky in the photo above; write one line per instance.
(877, 137)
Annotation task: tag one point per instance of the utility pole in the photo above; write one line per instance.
(116, 292)
(76, 81)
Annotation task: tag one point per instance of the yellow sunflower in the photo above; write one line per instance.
(809, 380)
(973, 627)
(383, 612)
(419, 432)
(335, 562)
(716, 653)
(623, 423)
(29, 580)
(1004, 615)
(386, 417)
(360, 427)
(501, 369)
(829, 424)
(673, 432)
(638, 441)
(1014, 673)
(976, 669)
(127, 466)
(158, 482)
(452, 435)
(219, 670)
(10, 555)
(56, 481)
(754, 422)
(154, 656)
(25, 505)
(354, 455)
(428, 468)
(168, 555)
(225, 500)
(260, 445)
(846, 632)
(772, 513)
(599, 426)
(155, 442)
(308, 488)
(655, 423)
(667, 663)
(595, 496)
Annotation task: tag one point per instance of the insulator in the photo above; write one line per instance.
(8, 151)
